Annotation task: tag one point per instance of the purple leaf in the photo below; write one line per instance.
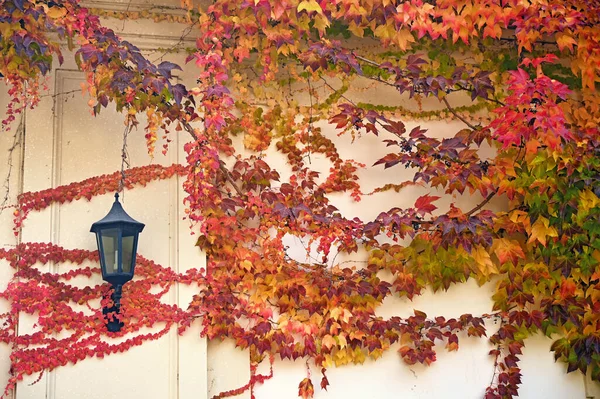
(179, 91)
(165, 68)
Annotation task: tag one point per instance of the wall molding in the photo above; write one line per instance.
(135, 6)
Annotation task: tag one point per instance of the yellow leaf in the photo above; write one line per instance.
(310, 6)
(589, 329)
(227, 249)
(321, 23)
(346, 314)
(405, 338)
(358, 355)
(403, 38)
(342, 357)
(252, 142)
(316, 319)
(342, 341)
(246, 264)
(356, 29)
(56, 12)
(328, 341)
(484, 261)
(385, 32)
(302, 315)
(376, 354)
(594, 294)
(588, 200)
(335, 313)
(540, 230)
(518, 216)
(284, 49)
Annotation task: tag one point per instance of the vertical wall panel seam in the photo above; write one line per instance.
(57, 125)
(174, 294)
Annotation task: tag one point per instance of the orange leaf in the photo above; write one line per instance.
(564, 40)
(567, 289)
(508, 250)
(306, 389)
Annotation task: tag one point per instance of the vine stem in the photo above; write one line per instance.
(481, 204)
(498, 353)
(310, 118)
(17, 141)
(471, 211)
(378, 79)
(368, 61)
(222, 168)
(453, 111)
(254, 379)
(124, 157)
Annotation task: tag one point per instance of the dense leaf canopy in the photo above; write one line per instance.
(274, 73)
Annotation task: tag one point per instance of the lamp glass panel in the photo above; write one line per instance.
(110, 247)
(127, 246)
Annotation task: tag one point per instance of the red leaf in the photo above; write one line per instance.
(324, 380)
(424, 204)
(567, 289)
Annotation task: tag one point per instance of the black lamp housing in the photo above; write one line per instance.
(117, 237)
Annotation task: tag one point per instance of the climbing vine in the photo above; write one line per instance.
(272, 74)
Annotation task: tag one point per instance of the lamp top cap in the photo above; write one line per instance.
(117, 216)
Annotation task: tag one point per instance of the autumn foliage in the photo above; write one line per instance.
(530, 70)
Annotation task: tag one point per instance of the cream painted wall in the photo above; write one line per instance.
(64, 143)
